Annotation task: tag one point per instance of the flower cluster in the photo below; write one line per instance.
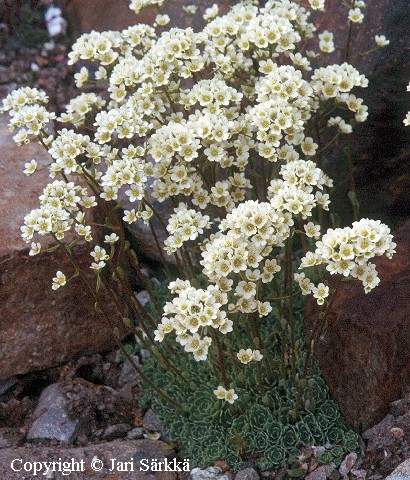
(61, 207)
(100, 257)
(80, 107)
(185, 224)
(295, 192)
(246, 356)
(28, 114)
(190, 313)
(347, 251)
(138, 5)
(223, 394)
(66, 149)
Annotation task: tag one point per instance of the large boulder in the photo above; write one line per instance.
(364, 353)
(40, 327)
(87, 15)
(381, 145)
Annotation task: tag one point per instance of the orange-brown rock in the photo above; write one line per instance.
(39, 327)
(87, 15)
(364, 353)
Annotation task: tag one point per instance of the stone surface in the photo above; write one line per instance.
(87, 15)
(51, 417)
(359, 474)
(382, 144)
(151, 422)
(379, 436)
(388, 443)
(365, 352)
(135, 433)
(400, 407)
(210, 473)
(128, 374)
(348, 463)
(116, 431)
(247, 474)
(123, 451)
(402, 472)
(6, 384)
(10, 437)
(321, 473)
(44, 327)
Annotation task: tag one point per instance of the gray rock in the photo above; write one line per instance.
(116, 431)
(5, 76)
(403, 422)
(10, 437)
(144, 353)
(317, 451)
(128, 374)
(348, 463)
(210, 473)
(380, 435)
(247, 474)
(151, 422)
(402, 472)
(6, 384)
(321, 473)
(51, 418)
(335, 475)
(359, 474)
(143, 297)
(135, 433)
(400, 407)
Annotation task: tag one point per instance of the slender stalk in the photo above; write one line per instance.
(220, 358)
(289, 283)
(311, 344)
(108, 321)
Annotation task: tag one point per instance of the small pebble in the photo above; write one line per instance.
(135, 433)
(116, 431)
(348, 463)
(247, 474)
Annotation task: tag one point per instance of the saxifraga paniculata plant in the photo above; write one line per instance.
(219, 137)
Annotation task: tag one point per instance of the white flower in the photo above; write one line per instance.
(130, 216)
(162, 20)
(231, 396)
(381, 40)
(320, 293)
(189, 9)
(59, 280)
(220, 392)
(312, 230)
(355, 15)
(97, 265)
(30, 167)
(35, 249)
(112, 238)
(227, 395)
(317, 4)
(246, 356)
